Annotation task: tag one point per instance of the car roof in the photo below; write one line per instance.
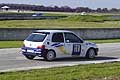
(52, 31)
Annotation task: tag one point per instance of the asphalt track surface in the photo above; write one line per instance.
(12, 59)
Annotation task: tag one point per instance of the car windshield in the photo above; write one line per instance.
(36, 37)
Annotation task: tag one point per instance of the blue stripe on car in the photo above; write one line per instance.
(57, 44)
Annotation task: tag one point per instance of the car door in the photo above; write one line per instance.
(73, 44)
(58, 43)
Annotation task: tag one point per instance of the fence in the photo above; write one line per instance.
(22, 33)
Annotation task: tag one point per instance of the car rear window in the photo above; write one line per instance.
(36, 37)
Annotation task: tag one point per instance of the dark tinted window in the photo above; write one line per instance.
(36, 37)
(58, 37)
(72, 38)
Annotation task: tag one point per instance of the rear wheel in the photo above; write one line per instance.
(29, 57)
(91, 53)
(50, 55)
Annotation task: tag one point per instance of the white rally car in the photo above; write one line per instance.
(51, 44)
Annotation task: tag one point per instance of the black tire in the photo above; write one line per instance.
(29, 57)
(91, 53)
(50, 55)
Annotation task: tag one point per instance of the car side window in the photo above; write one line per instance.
(72, 38)
(58, 37)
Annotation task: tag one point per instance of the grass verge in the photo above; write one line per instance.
(72, 21)
(18, 44)
(10, 44)
(107, 71)
(105, 41)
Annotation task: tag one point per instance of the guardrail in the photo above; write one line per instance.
(22, 33)
(30, 17)
(26, 16)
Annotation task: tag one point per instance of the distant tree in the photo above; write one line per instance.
(66, 9)
(114, 10)
(56, 8)
(99, 10)
(105, 10)
(83, 9)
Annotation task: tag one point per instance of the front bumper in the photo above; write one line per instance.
(96, 49)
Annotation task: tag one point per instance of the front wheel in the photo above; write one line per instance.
(91, 53)
(50, 55)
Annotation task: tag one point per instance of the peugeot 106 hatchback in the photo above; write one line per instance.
(51, 44)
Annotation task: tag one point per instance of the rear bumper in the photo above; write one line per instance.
(33, 51)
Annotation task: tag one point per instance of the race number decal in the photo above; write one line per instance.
(76, 49)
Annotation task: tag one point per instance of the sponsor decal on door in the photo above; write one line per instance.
(76, 49)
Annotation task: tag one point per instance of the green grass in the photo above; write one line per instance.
(10, 44)
(86, 18)
(72, 21)
(45, 24)
(110, 71)
(18, 44)
(105, 41)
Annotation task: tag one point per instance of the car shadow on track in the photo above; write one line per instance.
(84, 59)
(69, 59)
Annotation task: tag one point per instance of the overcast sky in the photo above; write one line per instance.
(72, 3)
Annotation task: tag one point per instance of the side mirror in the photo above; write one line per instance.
(82, 41)
(48, 43)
